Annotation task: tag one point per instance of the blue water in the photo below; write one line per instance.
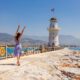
(10, 50)
(76, 48)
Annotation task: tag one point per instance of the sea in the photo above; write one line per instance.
(75, 48)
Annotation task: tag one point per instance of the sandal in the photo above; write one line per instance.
(18, 64)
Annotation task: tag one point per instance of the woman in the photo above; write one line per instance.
(18, 47)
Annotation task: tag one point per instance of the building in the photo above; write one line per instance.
(53, 33)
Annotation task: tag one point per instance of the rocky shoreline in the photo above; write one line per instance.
(62, 64)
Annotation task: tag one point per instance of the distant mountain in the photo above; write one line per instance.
(35, 40)
(43, 38)
(4, 37)
(69, 40)
(64, 39)
(30, 41)
(9, 39)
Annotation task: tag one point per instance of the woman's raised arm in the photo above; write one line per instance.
(17, 29)
(23, 30)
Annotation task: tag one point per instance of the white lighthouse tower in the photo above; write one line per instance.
(53, 33)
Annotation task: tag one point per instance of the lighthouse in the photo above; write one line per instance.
(53, 32)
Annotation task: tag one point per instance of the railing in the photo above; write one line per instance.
(8, 51)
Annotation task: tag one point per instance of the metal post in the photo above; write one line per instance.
(6, 51)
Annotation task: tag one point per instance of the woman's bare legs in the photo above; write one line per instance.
(18, 60)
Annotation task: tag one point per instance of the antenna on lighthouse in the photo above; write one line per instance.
(52, 10)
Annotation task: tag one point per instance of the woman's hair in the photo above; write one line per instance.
(17, 36)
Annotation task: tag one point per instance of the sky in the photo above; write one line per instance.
(35, 15)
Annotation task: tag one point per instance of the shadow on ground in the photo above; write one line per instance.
(11, 64)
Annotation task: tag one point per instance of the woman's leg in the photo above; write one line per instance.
(18, 60)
